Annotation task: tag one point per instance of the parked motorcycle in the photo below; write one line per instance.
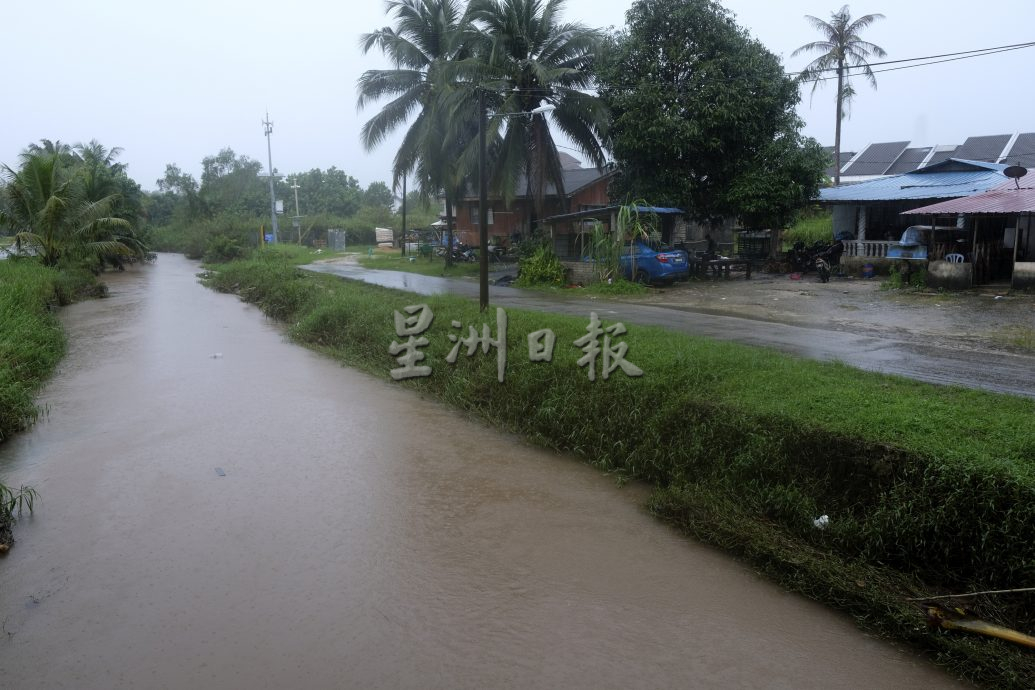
(826, 259)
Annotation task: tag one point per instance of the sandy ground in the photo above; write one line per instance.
(990, 317)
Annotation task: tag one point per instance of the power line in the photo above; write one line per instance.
(925, 57)
(924, 64)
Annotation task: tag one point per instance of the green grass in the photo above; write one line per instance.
(929, 489)
(814, 226)
(31, 339)
(31, 344)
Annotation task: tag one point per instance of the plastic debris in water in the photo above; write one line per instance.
(821, 522)
(220, 472)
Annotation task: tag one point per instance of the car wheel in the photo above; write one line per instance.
(642, 278)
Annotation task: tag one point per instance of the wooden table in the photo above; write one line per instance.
(719, 266)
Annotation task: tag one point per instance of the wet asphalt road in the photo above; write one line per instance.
(932, 361)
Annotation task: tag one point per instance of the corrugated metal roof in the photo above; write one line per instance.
(909, 161)
(876, 158)
(986, 148)
(946, 180)
(1005, 199)
(1023, 151)
(574, 180)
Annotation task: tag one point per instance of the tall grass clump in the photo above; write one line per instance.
(815, 225)
(31, 339)
(929, 489)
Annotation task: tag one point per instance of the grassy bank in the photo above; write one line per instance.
(31, 340)
(928, 489)
(31, 344)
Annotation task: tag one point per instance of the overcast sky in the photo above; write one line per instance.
(173, 82)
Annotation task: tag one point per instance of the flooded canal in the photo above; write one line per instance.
(223, 509)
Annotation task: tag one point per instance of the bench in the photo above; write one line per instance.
(719, 266)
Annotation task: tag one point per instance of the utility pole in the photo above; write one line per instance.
(268, 127)
(403, 243)
(298, 217)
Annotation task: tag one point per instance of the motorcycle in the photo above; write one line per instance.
(829, 257)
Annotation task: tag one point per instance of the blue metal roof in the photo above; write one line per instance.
(949, 179)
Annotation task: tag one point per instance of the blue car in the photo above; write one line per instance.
(660, 265)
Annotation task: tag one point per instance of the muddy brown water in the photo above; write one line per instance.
(360, 536)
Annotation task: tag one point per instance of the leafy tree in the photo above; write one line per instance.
(700, 112)
(378, 195)
(231, 183)
(533, 57)
(841, 48)
(177, 198)
(55, 214)
(328, 191)
(420, 211)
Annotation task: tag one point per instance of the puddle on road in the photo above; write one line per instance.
(360, 536)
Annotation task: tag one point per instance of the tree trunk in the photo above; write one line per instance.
(837, 125)
(449, 231)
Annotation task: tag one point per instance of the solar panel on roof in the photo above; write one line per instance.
(983, 148)
(1023, 151)
(877, 158)
(909, 160)
(940, 156)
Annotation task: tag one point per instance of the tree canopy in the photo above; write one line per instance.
(703, 116)
(72, 203)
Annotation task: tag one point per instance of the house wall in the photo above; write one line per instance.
(516, 219)
(580, 272)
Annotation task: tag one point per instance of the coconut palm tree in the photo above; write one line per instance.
(842, 48)
(428, 39)
(52, 216)
(532, 57)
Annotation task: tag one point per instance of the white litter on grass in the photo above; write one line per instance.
(821, 522)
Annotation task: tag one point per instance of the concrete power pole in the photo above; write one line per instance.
(297, 220)
(268, 126)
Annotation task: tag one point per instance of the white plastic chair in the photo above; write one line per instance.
(954, 258)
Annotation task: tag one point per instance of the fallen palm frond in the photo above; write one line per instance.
(962, 619)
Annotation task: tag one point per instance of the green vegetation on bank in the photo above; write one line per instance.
(929, 489)
(31, 344)
(31, 340)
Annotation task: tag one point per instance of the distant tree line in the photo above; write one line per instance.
(231, 204)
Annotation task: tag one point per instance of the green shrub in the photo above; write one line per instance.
(542, 268)
(896, 280)
(222, 249)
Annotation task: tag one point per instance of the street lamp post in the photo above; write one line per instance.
(268, 128)
(483, 195)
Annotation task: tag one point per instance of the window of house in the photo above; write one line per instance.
(474, 215)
